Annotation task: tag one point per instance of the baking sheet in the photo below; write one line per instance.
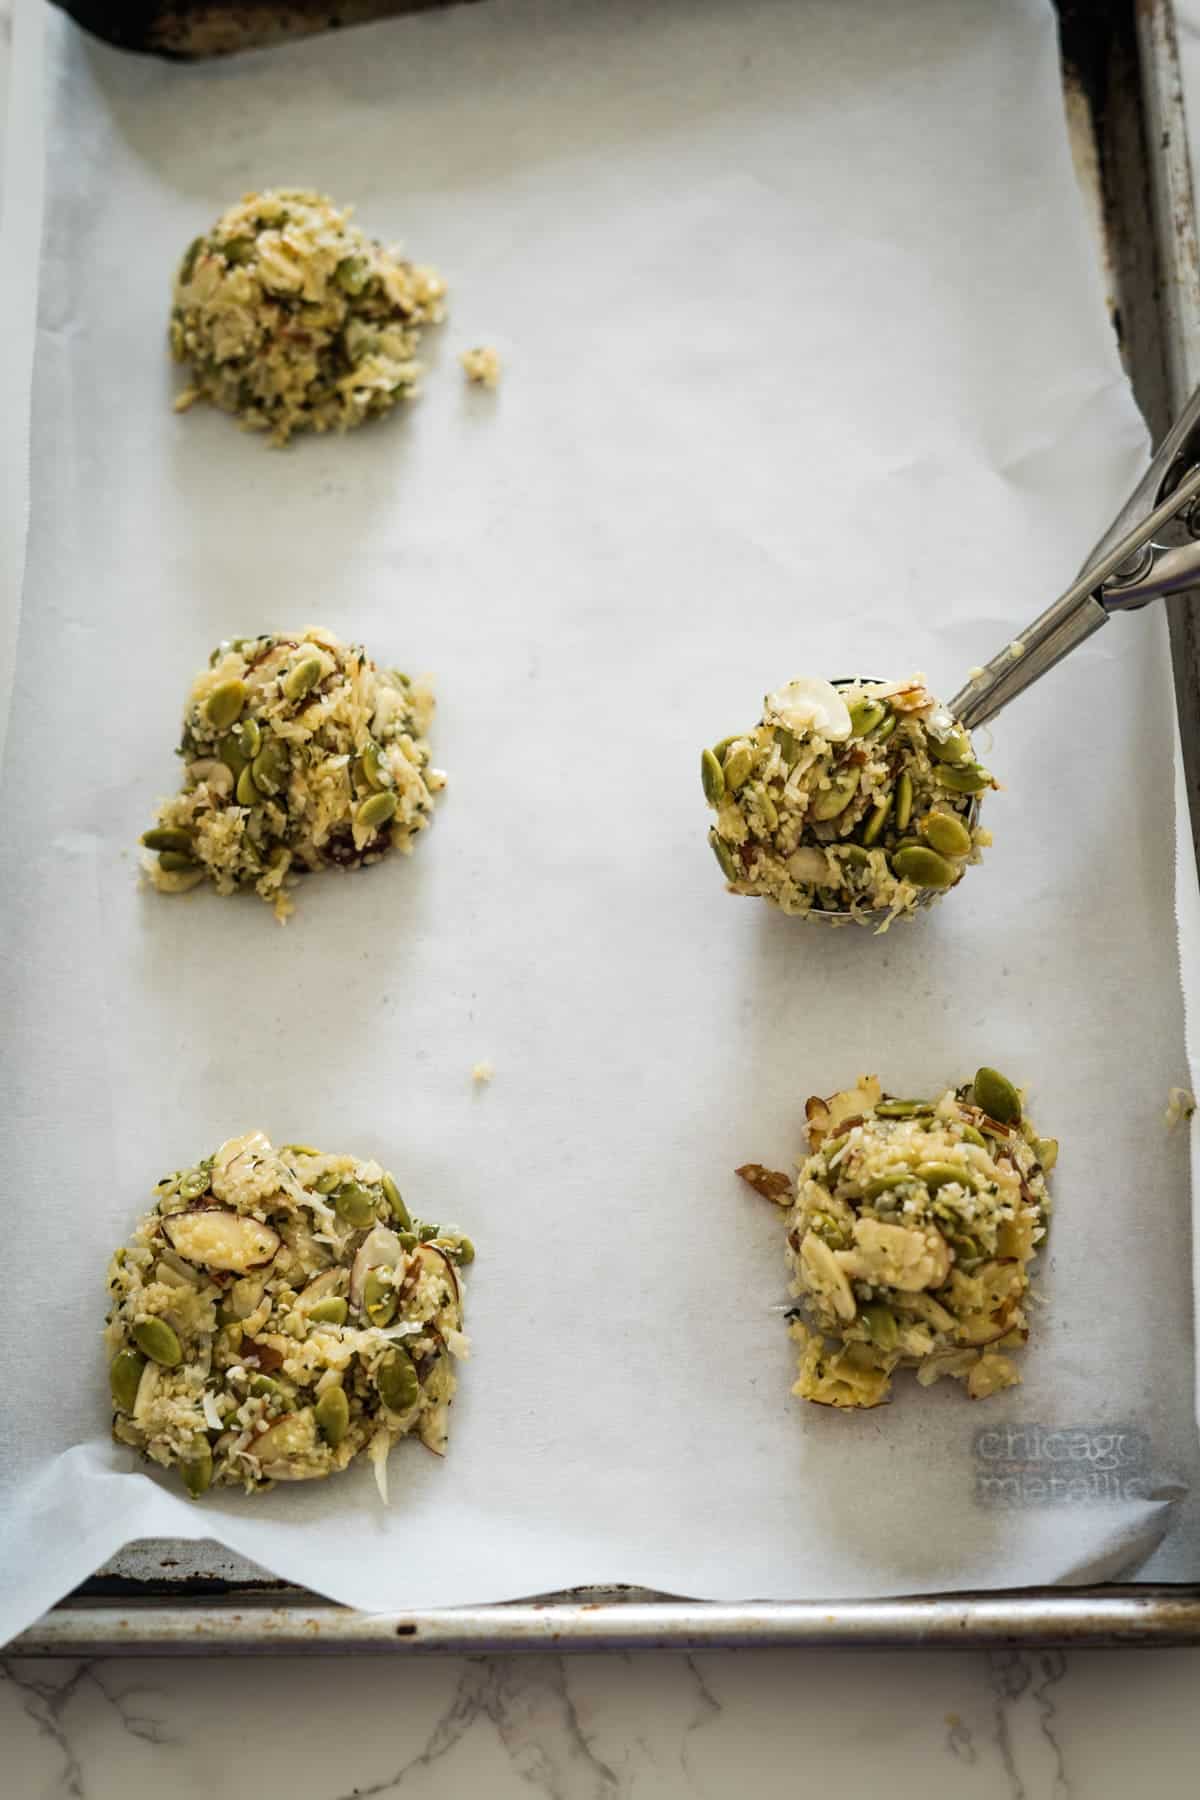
(807, 362)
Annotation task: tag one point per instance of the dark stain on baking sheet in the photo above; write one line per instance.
(1024, 1464)
(196, 28)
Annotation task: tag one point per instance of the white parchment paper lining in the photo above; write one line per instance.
(808, 369)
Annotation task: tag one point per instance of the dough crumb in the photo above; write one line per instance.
(1181, 1104)
(482, 366)
(482, 1073)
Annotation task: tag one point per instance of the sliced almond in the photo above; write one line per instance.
(825, 1277)
(218, 1239)
(380, 1249)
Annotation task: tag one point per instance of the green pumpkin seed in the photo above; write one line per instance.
(901, 1109)
(880, 1322)
(352, 274)
(426, 1232)
(229, 749)
(196, 1467)
(724, 855)
(375, 768)
(194, 1183)
(247, 792)
(166, 837)
(831, 802)
(737, 767)
(332, 1415)
(189, 260)
(354, 1204)
(789, 744)
(249, 737)
(966, 1248)
(937, 1175)
(851, 855)
(333, 1311)
(969, 778)
(270, 766)
(1046, 1150)
(391, 1194)
(924, 868)
(238, 252)
(157, 1340)
(886, 729)
(953, 749)
(375, 811)
(301, 677)
(463, 1251)
(225, 704)
(408, 1240)
(379, 1299)
(886, 1184)
(396, 1379)
(946, 832)
(720, 748)
(865, 715)
(997, 1097)
(262, 1387)
(325, 1184)
(176, 864)
(766, 807)
(712, 778)
(904, 800)
(301, 1150)
(971, 1136)
(124, 1378)
(877, 819)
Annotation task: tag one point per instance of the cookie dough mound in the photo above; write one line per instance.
(292, 319)
(278, 1314)
(299, 754)
(911, 1229)
(860, 799)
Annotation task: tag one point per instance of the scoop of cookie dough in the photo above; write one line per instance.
(860, 799)
(278, 1314)
(911, 1228)
(299, 753)
(291, 318)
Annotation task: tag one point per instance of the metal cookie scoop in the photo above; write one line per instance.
(1151, 549)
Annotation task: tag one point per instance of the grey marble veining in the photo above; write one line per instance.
(1009, 1726)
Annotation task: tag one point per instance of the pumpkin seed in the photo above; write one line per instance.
(270, 766)
(167, 837)
(158, 1340)
(325, 1184)
(880, 1322)
(352, 274)
(720, 748)
(249, 737)
(238, 251)
(379, 1299)
(333, 1311)
(937, 1175)
(789, 744)
(723, 855)
(831, 802)
(971, 1136)
(354, 1204)
(997, 1097)
(953, 749)
(175, 863)
(852, 856)
(396, 1379)
(194, 1183)
(766, 807)
(712, 778)
(904, 800)
(463, 1251)
(196, 1467)
(738, 765)
(225, 704)
(865, 715)
(247, 792)
(968, 778)
(1047, 1152)
(189, 260)
(886, 1184)
(375, 768)
(877, 819)
(262, 1387)
(124, 1378)
(229, 749)
(886, 729)
(946, 832)
(301, 677)
(924, 868)
(375, 811)
(901, 1109)
(391, 1194)
(332, 1415)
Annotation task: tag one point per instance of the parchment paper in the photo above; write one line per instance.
(807, 369)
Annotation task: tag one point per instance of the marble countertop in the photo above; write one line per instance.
(1003, 1726)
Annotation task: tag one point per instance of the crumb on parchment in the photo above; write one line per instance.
(482, 366)
(1181, 1104)
(482, 1072)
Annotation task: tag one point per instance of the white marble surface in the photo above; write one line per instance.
(1005, 1726)
(1088, 1726)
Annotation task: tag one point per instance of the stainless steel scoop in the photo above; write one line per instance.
(1151, 549)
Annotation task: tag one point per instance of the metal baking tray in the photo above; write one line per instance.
(1124, 103)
